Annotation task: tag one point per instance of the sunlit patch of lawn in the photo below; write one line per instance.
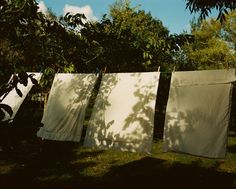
(101, 161)
(88, 166)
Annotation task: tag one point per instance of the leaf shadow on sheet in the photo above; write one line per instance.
(139, 139)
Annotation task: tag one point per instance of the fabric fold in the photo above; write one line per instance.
(66, 107)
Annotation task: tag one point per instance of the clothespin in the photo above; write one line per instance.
(227, 66)
(41, 69)
(159, 68)
(58, 70)
(97, 71)
(105, 69)
(174, 69)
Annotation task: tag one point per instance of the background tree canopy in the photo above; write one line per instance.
(129, 39)
(213, 47)
(125, 40)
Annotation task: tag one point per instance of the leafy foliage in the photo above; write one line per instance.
(205, 7)
(213, 46)
(129, 39)
(6, 108)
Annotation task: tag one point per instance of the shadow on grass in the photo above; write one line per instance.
(89, 154)
(61, 165)
(49, 167)
(53, 169)
(151, 172)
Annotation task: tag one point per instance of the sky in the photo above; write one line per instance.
(172, 13)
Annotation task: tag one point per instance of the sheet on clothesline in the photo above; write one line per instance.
(14, 100)
(123, 114)
(198, 112)
(65, 110)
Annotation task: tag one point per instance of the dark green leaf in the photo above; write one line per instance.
(2, 114)
(23, 78)
(18, 92)
(34, 81)
(6, 108)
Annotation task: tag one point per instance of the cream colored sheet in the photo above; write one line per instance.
(123, 114)
(14, 100)
(198, 112)
(65, 111)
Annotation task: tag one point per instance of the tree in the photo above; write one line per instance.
(205, 7)
(209, 50)
(126, 40)
(16, 19)
(32, 41)
(229, 27)
(129, 39)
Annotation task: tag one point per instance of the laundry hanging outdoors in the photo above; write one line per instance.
(198, 112)
(65, 110)
(123, 114)
(14, 100)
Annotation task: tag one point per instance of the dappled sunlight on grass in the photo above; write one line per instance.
(102, 160)
(72, 165)
(6, 168)
(226, 165)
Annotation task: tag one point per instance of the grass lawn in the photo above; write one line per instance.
(69, 165)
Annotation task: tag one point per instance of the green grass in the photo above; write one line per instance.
(67, 165)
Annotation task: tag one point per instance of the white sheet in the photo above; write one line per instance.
(65, 111)
(198, 111)
(123, 114)
(14, 100)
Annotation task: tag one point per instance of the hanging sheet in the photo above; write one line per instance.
(65, 110)
(123, 114)
(14, 100)
(198, 111)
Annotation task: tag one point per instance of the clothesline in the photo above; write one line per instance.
(123, 113)
(104, 71)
